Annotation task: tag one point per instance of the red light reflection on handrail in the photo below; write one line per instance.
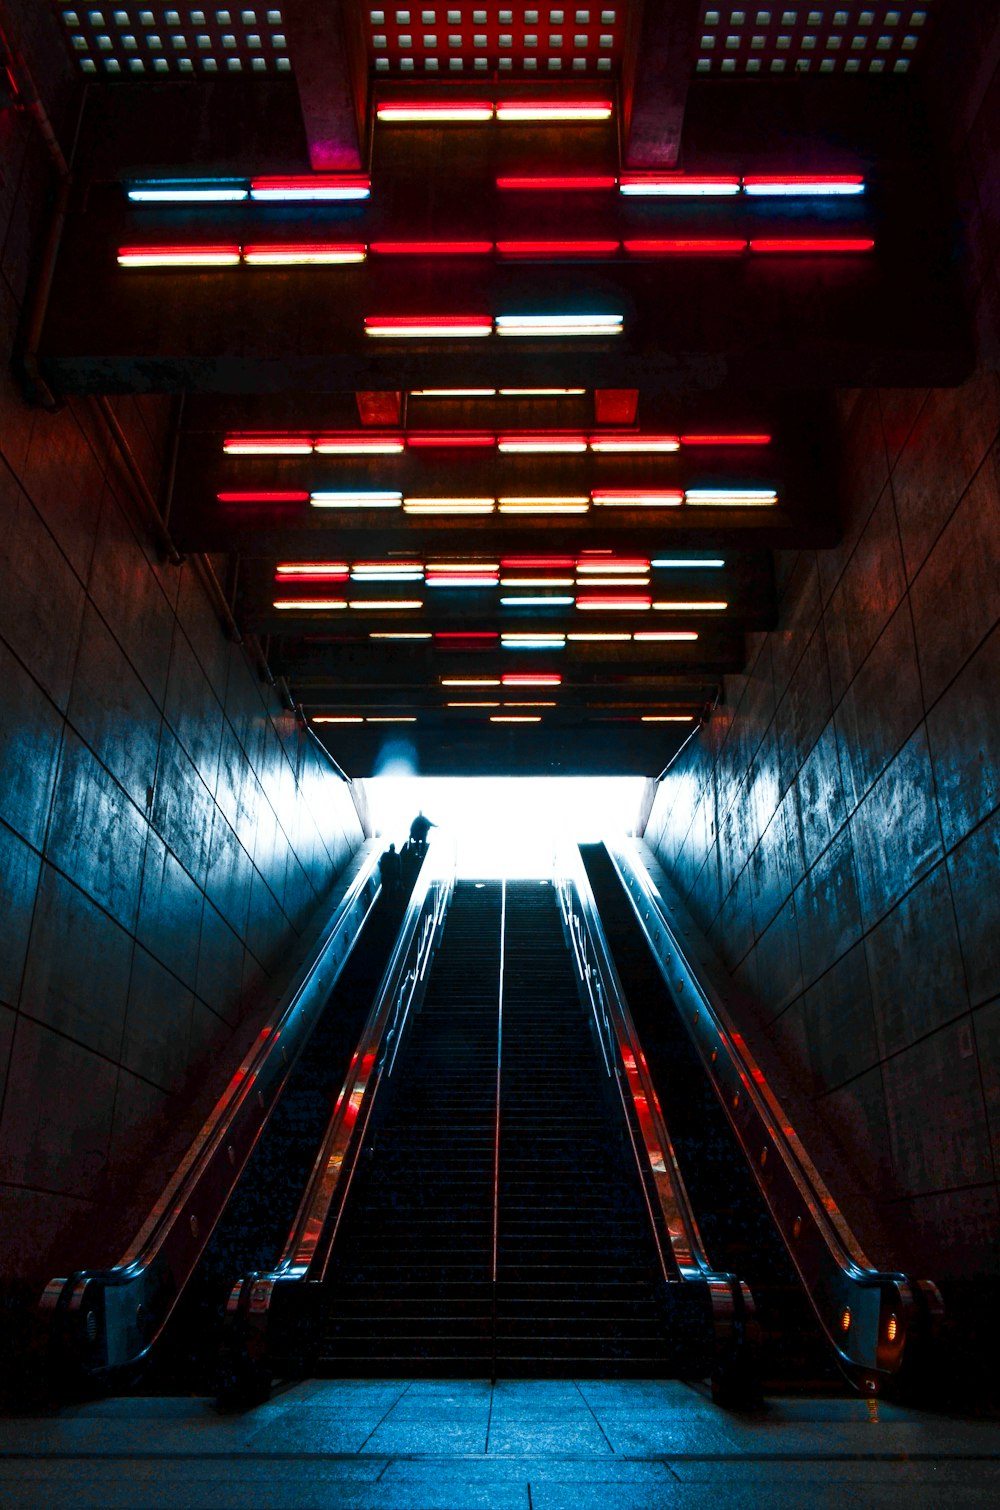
(457, 439)
(431, 248)
(705, 246)
(725, 440)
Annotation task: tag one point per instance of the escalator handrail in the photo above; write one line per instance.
(865, 1313)
(310, 1240)
(105, 1319)
(626, 1061)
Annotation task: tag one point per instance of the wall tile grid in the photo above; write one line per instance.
(165, 828)
(836, 827)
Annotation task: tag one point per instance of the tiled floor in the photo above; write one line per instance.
(533, 1445)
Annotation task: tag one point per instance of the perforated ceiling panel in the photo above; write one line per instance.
(852, 38)
(461, 40)
(133, 41)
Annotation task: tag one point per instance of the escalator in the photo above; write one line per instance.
(497, 1223)
(731, 1212)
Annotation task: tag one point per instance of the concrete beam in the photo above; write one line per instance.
(331, 80)
(658, 69)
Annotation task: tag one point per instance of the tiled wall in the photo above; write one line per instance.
(837, 825)
(165, 828)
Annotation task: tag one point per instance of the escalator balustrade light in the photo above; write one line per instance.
(481, 580)
(463, 568)
(835, 245)
(669, 562)
(470, 681)
(310, 187)
(527, 251)
(611, 581)
(556, 183)
(540, 563)
(416, 575)
(187, 191)
(599, 637)
(312, 571)
(611, 564)
(399, 634)
(462, 636)
(267, 445)
(385, 568)
(527, 444)
(436, 112)
(614, 603)
(531, 679)
(533, 642)
(391, 718)
(359, 445)
(515, 718)
(681, 606)
(453, 393)
(304, 254)
(845, 1319)
(387, 605)
(494, 704)
(264, 496)
(667, 718)
(678, 185)
(532, 600)
(567, 505)
(178, 256)
(536, 582)
(428, 327)
(725, 440)
(559, 326)
(541, 392)
(666, 634)
(450, 440)
(373, 499)
(686, 246)
(448, 505)
(805, 184)
(336, 718)
(431, 248)
(731, 497)
(891, 1329)
(531, 703)
(309, 605)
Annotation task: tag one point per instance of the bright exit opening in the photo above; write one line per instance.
(506, 825)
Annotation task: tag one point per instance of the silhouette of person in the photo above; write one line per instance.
(419, 829)
(391, 872)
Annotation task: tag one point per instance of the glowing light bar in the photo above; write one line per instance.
(542, 563)
(432, 248)
(690, 607)
(536, 582)
(495, 703)
(559, 325)
(314, 605)
(525, 444)
(387, 576)
(262, 497)
(482, 580)
(470, 681)
(554, 183)
(541, 392)
(803, 183)
(515, 718)
(835, 244)
(603, 581)
(726, 497)
(312, 571)
(667, 718)
(305, 254)
(387, 605)
(512, 638)
(391, 718)
(610, 602)
(465, 634)
(665, 634)
(686, 246)
(530, 600)
(671, 561)
(464, 568)
(312, 186)
(544, 249)
(725, 440)
(450, 439)
(601, 637)
(399, 634)
(178, 256)
(678, 185)
(448, 505)
(435, 111)
(392, 568)
(364, 444)
(531, 702)
(428, 327)
(641, 498)
(195, 191)
(531, 679)
(453, 393)
(532, 644)
(375, 499)
(337, 718)
(267, 445)
(634, 443)
(610, 564)
(553, 110)
(544, 505)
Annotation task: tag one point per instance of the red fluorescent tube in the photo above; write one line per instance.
(457, 326)
(680, 184)
(715, 246)
(543, 249)
(542, 563)
(312, 576)
(262, 497)
(363, 443)
(639, 497)
(308, 186)
(436, 110)
(612, 602)
(527, 442)
(557, 182)
(531, 679)
(813, 244)
(466, 634)
(553, 110)
(457, 439)
(432, 248)
(304, 254)
(267, 445)
(725, 440)
(178, 256)
(804, 183)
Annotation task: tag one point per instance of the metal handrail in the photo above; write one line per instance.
(108, 1319)
(865, 1313)
(269, 1315)
(670, 1209)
